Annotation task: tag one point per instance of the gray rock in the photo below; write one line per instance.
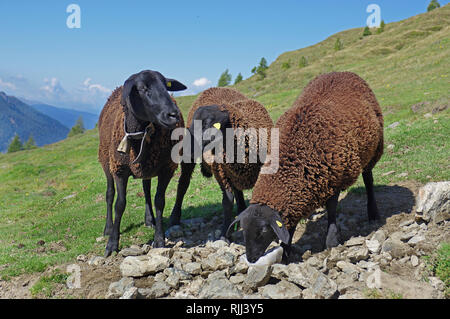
(117, 289)
(96, 261)
(357, 253)
(395, 247)
(355, 241)
(165, 252)
(414, 261)
(131, 251)
(130, 293)
(175, 231)
(373, 246)
(281, 290)
(218, 261)
(217, 286)
(257, 276)
(138, 266)
(394, 125)
(157, 290)
(416, 239)
(436, 283)
(348, 268)
(433, 202)
(193, 268)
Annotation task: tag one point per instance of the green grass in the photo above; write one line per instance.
(438, 264)
(404, 65)
(45, 285)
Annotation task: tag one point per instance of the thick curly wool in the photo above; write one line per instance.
(156, 149)
(332, 133)
(244, 113)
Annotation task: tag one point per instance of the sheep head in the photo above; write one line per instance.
(261, 225)
(146, 95)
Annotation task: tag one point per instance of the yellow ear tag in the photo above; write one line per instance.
(217, 126)
(169, 84)
(279, 224)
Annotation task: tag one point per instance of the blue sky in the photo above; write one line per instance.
(41, 59)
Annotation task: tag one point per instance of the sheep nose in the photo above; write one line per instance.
(173, 115)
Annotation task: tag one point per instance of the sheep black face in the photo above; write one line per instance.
(261, 225)
(145, 95)
(212, 118)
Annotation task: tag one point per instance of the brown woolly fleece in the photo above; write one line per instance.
(244, 113)
(331, 134)
(156, 149)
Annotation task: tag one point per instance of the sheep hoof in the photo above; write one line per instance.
(332, 236)
(110, 248)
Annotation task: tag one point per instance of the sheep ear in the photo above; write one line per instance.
(174, 85)
(279, 228)
(126, 92)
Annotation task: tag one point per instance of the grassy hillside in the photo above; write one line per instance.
(52, 199)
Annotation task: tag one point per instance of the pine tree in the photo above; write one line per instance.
(78, 128)
(30, 144)
(381, 28)
(261, 68)
(225, 79)
(16, 145)
(303, 62)
(433, 5)
(238, 79)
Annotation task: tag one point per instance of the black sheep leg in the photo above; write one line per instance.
(110, 192)
(160, 201)
(149, 217)
(227, 204)
(183, 185)
(121, 202)
(372, 210)
(240, 201)
(287, 247)
(332, 231)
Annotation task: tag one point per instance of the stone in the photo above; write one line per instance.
(216, 244)
(348, 268)
(217, 286)
(96, 261)
(217, 261)
(281, 290)
(157, 290)
(379, 235)
(165, 252)
(117, 289)
(433, 202)
(82, 258)
(416, 239)
(436, 283)
(373, 246)
(414, 261)
(138, 266)
(355, 241)
(174, 232)
(395, 247)
(394, 125)
(130, 293)
(357, 253)
(131, 251)
(257, 276)
(193, 268)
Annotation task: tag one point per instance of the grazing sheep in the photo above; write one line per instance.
(333, 133)
(224, 108)
(135, 126)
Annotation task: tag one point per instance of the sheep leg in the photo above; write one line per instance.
(183, 185)
(240, 201)
(121, 202)
(332, 232)
(287, 247)
(372, 209)
(149, 217)
(227, 204)
(110, 193)
(160, 201)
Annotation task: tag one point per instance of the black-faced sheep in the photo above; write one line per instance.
(332, 133)
(135, 128)
(224, 108)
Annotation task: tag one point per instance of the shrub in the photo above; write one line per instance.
(366, 32)
(30, 144)
(78, 128)
(286, 65)
(433, 5)
(381, 28)
(16, 145)
(338, 45)
(303, 62)
(238, 79)
(261, 68)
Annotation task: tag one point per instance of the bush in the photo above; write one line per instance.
(30, 144)
(366, 32)
(338, 46)
(225, 79)
(286, 65)
(303, 62)
(78, 128)
(433, 5)
(381, 28)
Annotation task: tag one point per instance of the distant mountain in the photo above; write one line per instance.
(16, 117)
(68, 117)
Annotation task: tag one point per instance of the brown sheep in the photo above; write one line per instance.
(332, 133)
(230, 109)
(144, 109)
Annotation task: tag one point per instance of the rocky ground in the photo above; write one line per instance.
(386, 259)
